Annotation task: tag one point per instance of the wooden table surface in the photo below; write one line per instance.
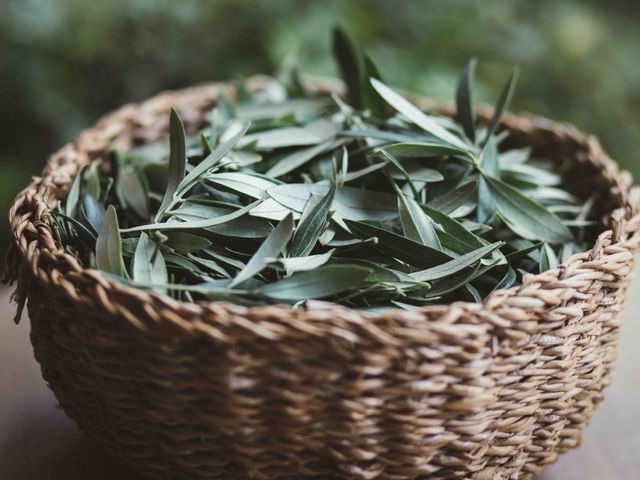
(37, 441)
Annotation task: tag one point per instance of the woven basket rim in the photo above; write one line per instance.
(36, 254)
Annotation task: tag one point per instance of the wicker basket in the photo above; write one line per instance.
(211, 390)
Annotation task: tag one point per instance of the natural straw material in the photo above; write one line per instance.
(494, 390)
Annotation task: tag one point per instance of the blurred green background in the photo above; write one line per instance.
(64, 63)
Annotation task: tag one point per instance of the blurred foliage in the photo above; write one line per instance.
(63, 63)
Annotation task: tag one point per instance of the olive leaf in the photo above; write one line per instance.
(92, 210)
(73, 197)
(312, 222)
(319, 283)
(524, 216)
(210, 161)
(417, 116)
(548, 258)
(304, 264)
(465, 114)
(252, 185)
(132, 191)
(298, 159)
(349, 65)
(416, 224)
(455, 265)
(109, 245)
(148, 264)
(177, 160)
(398, 246)
(270, 248)
(501, 106)
(371, 98)
(200, 224)
(454, 199)
(183, 242)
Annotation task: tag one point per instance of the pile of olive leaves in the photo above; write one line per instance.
(284, 196)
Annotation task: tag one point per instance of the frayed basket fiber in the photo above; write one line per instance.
(175, 390)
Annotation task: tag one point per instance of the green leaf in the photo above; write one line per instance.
(507, 281)
(422, 149)
(109, 245)
(454, 199)
(311, 134)
(300, 157)
(252, 185)
(177, 160)
(501, 106)
(418, 173)
(416, 224)
(523, 252)
(349, 66)
(192, 225)
(464, 101)
(312, 222)
(299, 108)
(244, 227)
(148, 264)
(548, 258)
(531, 174)
(454, 235)
(73, 197)
(372, 99)
(132, 191)
(210, 161)
(524, 216)
(417, 116)
(210, 265)
(399, 247)
(454, 266)
(270, 249)
(183, 242)
(272, 210)
(363, 172)
(454, 282)
(92, 210)
(489, 164)
(320, 283)
(350, 203)
(304, 264)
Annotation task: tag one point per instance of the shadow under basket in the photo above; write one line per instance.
(176, 390)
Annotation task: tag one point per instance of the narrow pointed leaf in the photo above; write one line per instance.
(417, 116)
(372, 99)
(270, 248)
(454, 199)
(148, 264)
(312, 222)
(323, 282)
(349, 66)
(210, 161)
(300, 157)
(526, 217)
(109, 245)
(177, 160)
(502, 105)
(416, 224)
(399, 247)
(548, 258)
(304, 264)
(73, 197)
(193, 225)
(464, 101)
(454, 266)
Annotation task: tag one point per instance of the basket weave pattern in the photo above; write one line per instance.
(211, 390)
